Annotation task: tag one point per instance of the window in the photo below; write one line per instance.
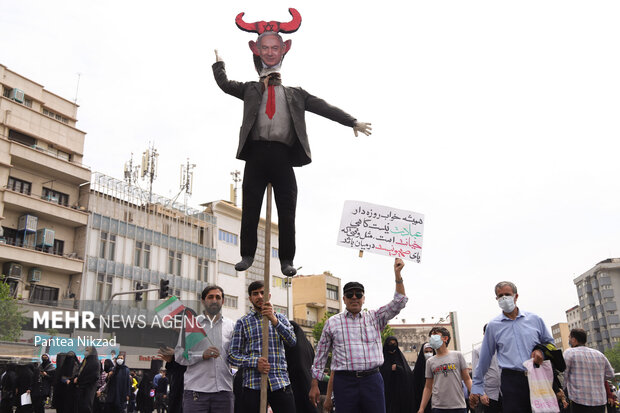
(137, 254)
(146, 263)
(44, 295)
(103, 242)
(226, 268)
(53, 115)
(18, 185)
(332, 292)
(275, 253)
(111, 247)
(59, 247)
(179, 263)
(142, 255)
(21, 138)
(228, 237)
(170, 262)
(278, 282)
(104, 286)
(332, 310)
(55, 196)
(203, 270)
(230, 301)
(28, 102)
(6, 92)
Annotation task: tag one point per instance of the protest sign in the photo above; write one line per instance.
(381, 230)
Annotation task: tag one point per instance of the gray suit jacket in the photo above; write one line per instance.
(299, 101)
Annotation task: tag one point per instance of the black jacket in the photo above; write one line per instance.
(299, 101)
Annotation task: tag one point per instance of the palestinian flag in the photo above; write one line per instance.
(169, 308)
(191, 332)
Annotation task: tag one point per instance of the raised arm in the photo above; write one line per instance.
(230, 87)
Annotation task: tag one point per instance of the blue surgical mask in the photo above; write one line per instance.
(435, 341)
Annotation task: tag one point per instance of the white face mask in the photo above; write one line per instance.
(506, 303)
(428, 355)
(120, 362)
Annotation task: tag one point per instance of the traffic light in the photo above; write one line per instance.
(139, 295)
(163, 288)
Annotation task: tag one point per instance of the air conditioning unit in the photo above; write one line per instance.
(27, 223)
(34, 275)
(12, 270)
(17, 95)
(45, 237)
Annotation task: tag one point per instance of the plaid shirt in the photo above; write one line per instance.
(355, 340)
(585, 374)
(246, 348)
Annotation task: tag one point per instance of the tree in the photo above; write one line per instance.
(11, 317)
(387, 332)
(613, 355)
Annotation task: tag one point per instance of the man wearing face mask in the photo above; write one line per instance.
(491, 399)
(354, 338)
(514, 336)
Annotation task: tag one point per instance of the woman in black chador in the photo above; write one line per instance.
(419, 379)
(299, 361)
(396, 378)
(86, 380)
(118, 387)
(65, 393)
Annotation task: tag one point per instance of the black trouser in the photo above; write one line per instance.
(86, 398)
(580, 408)
(269, 162)
(495, 406)
(281, 401)
(515, 392)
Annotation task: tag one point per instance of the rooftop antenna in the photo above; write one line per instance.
(187, 181)
(148, 169)
(233, 190)
(131, 172)
(77, 87)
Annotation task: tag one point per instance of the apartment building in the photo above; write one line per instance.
(42, 216)
(560, 332)
(573, 317)
(598, 289)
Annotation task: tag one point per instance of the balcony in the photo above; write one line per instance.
(47, 210)
(47, 164)
(43, 260)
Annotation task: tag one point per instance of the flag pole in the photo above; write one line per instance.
(265, 348)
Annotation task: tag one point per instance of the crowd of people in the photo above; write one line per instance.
(516, 368)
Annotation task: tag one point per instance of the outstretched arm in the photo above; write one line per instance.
(231, 87)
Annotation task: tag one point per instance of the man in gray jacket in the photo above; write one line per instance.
(272, 141)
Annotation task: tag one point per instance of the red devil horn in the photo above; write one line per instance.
(293, 25)
(248, 27)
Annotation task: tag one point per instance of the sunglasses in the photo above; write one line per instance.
(357, 295)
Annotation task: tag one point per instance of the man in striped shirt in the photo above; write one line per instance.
(585, 374)
(354, 338)
(246, 349)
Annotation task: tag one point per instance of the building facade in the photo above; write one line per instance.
(42, 214)
(313, 297)
(411, 337)
(598, 289)
(573, 317)
(560, 332)
(236, 283)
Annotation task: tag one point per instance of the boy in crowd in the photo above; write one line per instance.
(445, 373)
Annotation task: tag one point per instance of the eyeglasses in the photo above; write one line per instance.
(357, 295)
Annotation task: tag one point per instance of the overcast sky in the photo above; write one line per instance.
(496, 120)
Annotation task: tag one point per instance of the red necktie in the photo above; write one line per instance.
(270, 110)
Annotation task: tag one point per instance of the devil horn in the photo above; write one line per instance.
(289, 27)
(248, 27)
